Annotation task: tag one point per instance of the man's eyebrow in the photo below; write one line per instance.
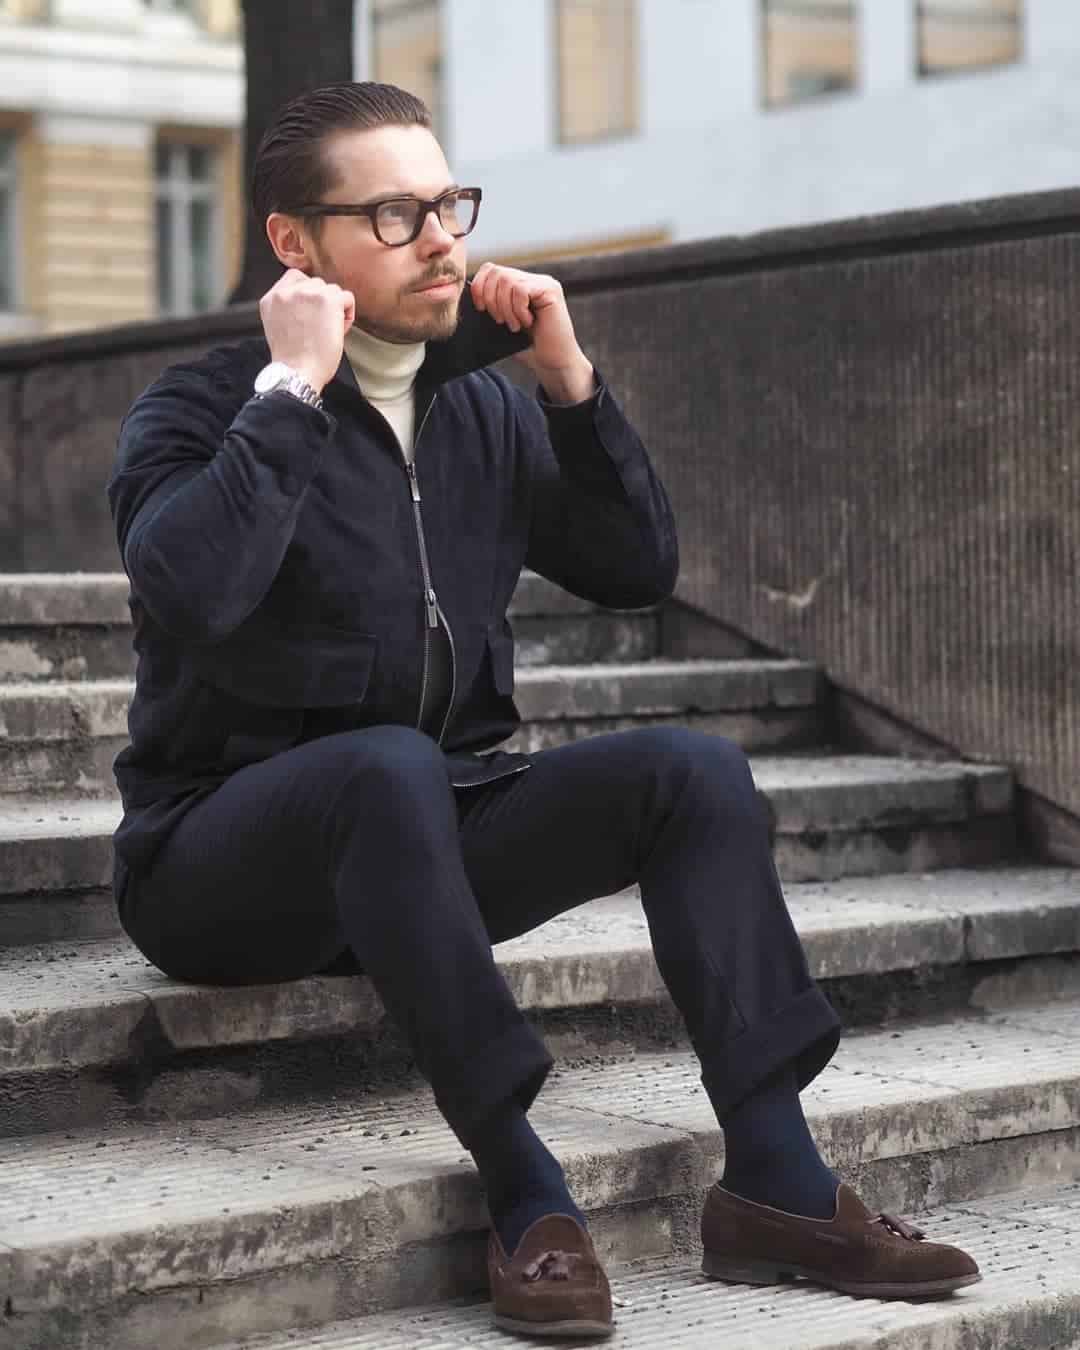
(393, 196)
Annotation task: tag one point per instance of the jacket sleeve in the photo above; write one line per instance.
(601, 524)
(204, 503)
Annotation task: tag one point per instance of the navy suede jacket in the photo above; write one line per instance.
(279, 590)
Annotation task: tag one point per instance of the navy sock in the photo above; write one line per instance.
(522, 1179)
(770, 1154)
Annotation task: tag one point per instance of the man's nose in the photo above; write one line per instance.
(433, 238)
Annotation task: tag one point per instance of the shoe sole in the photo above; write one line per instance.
(768, 1272)
(580, 1327)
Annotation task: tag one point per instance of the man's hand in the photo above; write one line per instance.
(305, 320)
(524, 301)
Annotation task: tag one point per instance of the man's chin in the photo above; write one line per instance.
(439, 323)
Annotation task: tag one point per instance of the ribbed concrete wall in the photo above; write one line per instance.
(870, 432)
(873, 446)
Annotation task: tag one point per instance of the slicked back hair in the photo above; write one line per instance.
(291, 166)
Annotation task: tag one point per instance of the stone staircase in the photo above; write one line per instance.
(183, 1166)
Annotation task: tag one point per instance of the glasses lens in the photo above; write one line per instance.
(457, 213)
(396, 220)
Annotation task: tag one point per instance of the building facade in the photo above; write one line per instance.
(120, 160)
(592, 125)
(731, 116)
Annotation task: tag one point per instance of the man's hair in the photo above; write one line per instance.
(291, 167)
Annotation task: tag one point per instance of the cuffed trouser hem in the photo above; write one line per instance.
(805, 1031)
(512, 1067)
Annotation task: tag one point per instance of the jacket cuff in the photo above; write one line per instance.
(571, 413)
(593, 442)
(287, 433)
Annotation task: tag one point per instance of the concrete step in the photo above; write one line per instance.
(551, 626)
(113, 1038)
(56, 626)
(1027, 1243)
(63, 736)
(194, 1233)
(761, 705)
(834, 816)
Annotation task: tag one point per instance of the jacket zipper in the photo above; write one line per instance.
(431, 603)
(453, 677)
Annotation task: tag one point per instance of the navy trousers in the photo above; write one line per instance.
(358, 842)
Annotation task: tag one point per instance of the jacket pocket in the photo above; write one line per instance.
(314, 667)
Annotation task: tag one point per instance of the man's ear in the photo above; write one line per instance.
(288, 241)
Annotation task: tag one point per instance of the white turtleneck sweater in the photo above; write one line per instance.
(386, 374)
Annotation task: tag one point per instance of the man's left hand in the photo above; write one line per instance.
(526, 301)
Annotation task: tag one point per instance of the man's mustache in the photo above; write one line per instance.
(436, 278)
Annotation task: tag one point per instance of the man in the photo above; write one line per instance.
(323, 530)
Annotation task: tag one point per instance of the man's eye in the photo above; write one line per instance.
(396, 213)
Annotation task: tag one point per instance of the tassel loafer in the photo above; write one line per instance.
(553, 1285)
(856, 1251)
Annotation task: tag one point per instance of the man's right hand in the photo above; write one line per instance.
(305, 320)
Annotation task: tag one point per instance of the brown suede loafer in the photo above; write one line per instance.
(553, 1285)
(855, 1251)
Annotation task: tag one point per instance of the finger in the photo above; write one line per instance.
(482, 290)
(350, 307)
(519, 296)
(479, 283)
(504, 305)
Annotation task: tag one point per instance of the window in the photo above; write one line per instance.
(188, 228)
(8, 299)
(968, 34)
(596, 48)
(810, 49)
(406, 50)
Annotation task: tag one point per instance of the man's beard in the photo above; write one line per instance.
(440, 322)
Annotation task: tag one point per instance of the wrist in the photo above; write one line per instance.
(312, 377)
(307, 371)
(572, 383)
(279, 377)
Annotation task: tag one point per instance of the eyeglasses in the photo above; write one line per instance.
(399, 220)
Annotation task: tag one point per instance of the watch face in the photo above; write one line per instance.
(271, 376)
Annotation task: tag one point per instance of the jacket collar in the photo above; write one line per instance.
(478, 342)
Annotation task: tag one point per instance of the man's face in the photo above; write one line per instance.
(391, 285)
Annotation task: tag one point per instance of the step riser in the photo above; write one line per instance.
(773, 730)
(74, 767)
(635, 1015)
(866, 853)
(28, 654)
(39, 655)
(84, 917)
(60, 769)
(582, 639)
(35, 876)
(626, 1225)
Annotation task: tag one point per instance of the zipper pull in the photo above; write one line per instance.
(413, 483)
(432, 609)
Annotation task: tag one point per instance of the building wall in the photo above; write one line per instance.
(88, 87)
(91, 245)
(710, 157)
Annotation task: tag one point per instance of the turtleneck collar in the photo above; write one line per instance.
(383, 370)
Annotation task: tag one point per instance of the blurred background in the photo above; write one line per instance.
(592, 125)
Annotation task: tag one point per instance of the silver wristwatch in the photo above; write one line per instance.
(278, 378)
